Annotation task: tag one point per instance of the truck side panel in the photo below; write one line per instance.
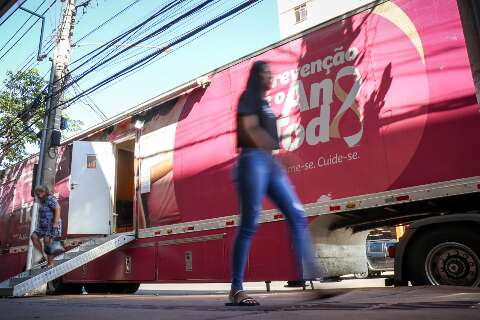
(15, 209)
(199, 256)
(378, 101)
(365, 105)
(382, 116)
(444, 148)
(16, 203)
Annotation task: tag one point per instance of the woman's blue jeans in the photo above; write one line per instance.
(258, 174)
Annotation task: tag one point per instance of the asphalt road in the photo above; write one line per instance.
(349, 299)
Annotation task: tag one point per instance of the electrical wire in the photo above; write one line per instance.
(126, 41)
(6, 130)
(23, 35)
(11, 14)
(23, 25)
(177, 48)
(149, 36)
(107, 45)
(103, 24)
(163, 9)
(31, 60)
(87, 101)
(139, 51)
(48, 45)
(149, 58)
(170, 24)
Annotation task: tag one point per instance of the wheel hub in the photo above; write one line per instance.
(453, 263)
(455, 267)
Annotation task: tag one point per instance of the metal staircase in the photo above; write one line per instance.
(28, 281)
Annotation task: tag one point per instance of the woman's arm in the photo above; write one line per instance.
(160, 170)
(53, 204)
(56, 216)
(250, 130)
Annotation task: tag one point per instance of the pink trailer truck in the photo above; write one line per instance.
(379, 124)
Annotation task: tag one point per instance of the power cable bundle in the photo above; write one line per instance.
(180, 13)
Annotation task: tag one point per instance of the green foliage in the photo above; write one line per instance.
(22, 109)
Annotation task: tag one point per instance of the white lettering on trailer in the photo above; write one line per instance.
(338, 58)
(319, 129)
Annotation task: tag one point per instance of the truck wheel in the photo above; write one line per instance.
(96, 288)
(362, 275)
(123, 288)
(56, 287)
(72, 288)
(118, 288)
(445, 257)
(133, 287)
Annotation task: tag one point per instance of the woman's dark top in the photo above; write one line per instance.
(266, 117)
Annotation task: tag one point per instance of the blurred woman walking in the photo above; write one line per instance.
(258, 174)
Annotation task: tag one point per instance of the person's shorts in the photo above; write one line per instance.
(46, 230)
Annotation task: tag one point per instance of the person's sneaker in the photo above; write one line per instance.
(40, 263)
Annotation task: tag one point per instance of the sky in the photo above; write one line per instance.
(244, 34)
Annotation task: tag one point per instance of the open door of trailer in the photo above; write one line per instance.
(91, 188)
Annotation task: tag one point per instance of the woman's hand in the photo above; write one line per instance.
(249, 129)
(56, 223)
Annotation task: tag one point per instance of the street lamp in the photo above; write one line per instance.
(139, 124)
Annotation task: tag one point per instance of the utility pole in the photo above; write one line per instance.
(47, 161)
(61, 60)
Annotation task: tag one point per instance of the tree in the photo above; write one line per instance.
(22, 109)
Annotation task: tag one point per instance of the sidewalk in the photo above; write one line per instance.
(405, 303)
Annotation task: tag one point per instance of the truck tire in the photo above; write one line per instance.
(133, 287)
(96, 288)
(362, 275)
(57, 287)
(445, 256)
(123, 288)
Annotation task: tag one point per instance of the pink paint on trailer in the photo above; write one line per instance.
(380, 101)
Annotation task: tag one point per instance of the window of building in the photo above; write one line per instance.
(300, 13)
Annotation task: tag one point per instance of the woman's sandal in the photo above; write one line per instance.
(42, 263)
(241, 298)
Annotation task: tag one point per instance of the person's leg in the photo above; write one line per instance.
(252, 178)
(281, 192)
(47, 241)
(37, 243)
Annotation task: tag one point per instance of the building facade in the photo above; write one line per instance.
(298, 15)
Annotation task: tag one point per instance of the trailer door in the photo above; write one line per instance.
(91, 188)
